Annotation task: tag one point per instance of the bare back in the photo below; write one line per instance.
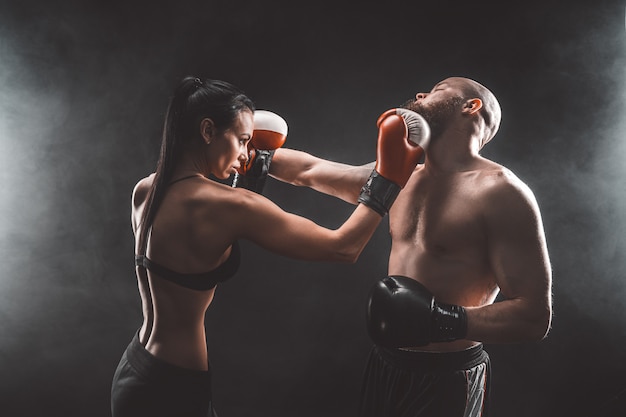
(187, 236)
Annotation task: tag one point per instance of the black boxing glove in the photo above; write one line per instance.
(401, 312)
(256, 172)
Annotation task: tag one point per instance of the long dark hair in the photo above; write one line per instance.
(193, 100)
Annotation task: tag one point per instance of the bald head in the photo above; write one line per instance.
(490, 111)
(455, 96)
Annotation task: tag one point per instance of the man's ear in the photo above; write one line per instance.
(472, 106)
(207, 130)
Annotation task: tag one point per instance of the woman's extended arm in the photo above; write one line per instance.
(333, 178)
(264, 223)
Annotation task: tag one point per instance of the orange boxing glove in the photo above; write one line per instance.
(403, 137)
(270, 133)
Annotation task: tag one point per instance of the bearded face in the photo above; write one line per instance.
(436, 114)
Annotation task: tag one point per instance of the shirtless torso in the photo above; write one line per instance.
(439, 237)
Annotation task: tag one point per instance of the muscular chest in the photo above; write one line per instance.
(440, 216)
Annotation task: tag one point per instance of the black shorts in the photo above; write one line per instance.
(146, 386)
(399, 383)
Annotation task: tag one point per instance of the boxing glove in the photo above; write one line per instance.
(403, 137)
(401, 312)
(269, 134)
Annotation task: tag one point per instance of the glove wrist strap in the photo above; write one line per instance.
(378, 193)
(254, 178)
(448, 323)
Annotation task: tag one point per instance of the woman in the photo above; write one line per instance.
(186, 224)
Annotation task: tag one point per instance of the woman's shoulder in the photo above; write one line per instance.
(141, 189)
(236, 206)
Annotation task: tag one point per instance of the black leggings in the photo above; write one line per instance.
(399, 383)
(146, 386)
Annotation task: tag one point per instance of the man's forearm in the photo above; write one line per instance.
(509, 321)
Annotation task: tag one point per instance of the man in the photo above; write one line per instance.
(463, 228)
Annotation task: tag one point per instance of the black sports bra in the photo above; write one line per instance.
(200, 281)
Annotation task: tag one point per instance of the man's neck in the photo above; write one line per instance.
(447, 155)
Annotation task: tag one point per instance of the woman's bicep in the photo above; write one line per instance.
(270, 227)
(266, 224)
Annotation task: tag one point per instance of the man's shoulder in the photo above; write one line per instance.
(500, 177)
(503, 189)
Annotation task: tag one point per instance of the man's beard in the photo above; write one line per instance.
(437, 114)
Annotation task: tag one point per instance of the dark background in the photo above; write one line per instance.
(83, 90)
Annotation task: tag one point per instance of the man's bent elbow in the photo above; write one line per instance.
(541, 325)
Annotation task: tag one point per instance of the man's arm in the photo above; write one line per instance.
(402, 312)
(519, 258)
(333, 178)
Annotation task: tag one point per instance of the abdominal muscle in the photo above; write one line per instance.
(452, 280)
